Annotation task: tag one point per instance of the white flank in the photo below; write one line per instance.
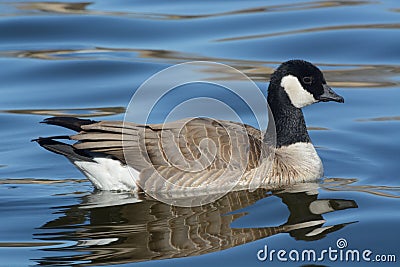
(109, 174)
(299, 96)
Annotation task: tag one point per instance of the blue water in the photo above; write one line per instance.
(87, 59)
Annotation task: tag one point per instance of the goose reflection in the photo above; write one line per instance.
(107, 229)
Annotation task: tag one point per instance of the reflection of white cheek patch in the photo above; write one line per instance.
(297, 94)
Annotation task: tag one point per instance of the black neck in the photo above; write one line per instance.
(289, 120)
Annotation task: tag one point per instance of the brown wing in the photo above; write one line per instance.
(194, 145)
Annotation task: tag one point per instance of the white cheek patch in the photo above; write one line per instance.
(299, 96)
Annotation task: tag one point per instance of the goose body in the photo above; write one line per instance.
(126, 156)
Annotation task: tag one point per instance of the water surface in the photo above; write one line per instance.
(86, 59)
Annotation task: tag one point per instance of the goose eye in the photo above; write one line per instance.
(307, 80)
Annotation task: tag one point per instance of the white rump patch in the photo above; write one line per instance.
(299, 96)
(109, 174)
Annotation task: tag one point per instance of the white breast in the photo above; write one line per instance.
(295, 163)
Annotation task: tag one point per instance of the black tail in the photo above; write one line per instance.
(64, 149)
(72, 123)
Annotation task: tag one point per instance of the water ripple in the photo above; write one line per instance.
(35, 8)
(70, 112)
(342, 75)
(394, 26)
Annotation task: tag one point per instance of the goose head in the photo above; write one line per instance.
(300, 83)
